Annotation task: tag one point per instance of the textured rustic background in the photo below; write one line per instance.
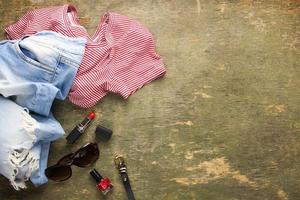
(224, 124)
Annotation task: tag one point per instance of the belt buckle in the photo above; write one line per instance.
(120, 163)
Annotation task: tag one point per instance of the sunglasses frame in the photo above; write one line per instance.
(72, 157)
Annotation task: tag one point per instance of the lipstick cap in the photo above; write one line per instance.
(103, 133)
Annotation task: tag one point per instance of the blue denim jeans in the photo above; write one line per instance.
(34, 71)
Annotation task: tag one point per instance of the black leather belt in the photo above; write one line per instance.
(121, 166)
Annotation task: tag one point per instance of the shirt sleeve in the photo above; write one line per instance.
(30, 23)
(16, 31)
(137, 62)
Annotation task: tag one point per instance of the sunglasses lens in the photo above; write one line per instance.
(86, 155)
(58, 172)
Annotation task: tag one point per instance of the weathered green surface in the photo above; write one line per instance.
(222, 125)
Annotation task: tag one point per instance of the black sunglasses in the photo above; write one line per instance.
(83, 157)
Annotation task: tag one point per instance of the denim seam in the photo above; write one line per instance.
(59, 48)
(55, 74)
(69, 61)
(77, 53)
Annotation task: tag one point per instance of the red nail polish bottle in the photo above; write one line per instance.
(103, 184)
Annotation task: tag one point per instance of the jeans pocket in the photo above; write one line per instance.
(31, 59)
(39, 67)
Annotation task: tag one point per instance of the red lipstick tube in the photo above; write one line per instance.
(86, 122)
(80, 128)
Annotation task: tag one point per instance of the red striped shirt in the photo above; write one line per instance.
(120, 57)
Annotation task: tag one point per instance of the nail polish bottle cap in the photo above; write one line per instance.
(96, 175)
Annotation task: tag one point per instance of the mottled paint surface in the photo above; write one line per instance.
(224, 124)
